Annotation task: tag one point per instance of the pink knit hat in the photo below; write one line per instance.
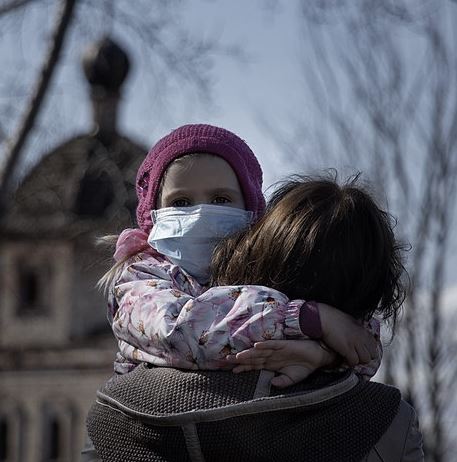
(198, 139)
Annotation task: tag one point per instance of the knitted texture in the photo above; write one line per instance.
(198, 139)
(128, 440)
(342, 428)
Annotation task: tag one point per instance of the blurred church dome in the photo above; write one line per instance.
(86, 183)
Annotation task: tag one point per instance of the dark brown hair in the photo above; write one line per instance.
(320, 241)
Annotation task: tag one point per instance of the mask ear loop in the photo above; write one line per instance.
(153, 217)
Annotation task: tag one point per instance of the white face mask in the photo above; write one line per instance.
(188, 235)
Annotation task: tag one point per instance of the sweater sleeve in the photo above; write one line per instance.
(402, 441)
(413, 450)
(163, 317)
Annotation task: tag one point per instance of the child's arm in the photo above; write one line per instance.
(161, 317)
(295, 360)
(355, 342)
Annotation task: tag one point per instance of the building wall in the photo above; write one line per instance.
(48, 373)
(35, 281)
(87, 300)
(46, 412)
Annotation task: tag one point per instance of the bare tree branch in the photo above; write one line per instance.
(14, 5)
(13, 153)
(410, 116)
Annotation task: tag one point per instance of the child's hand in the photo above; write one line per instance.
(346, 336)
(293, 359)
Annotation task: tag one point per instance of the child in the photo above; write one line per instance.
(196, 186)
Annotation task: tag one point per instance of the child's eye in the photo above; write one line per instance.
(180, 203)
(221, 200)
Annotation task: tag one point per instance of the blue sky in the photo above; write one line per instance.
(265, 82)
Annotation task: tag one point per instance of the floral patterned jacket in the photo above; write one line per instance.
(163, 316)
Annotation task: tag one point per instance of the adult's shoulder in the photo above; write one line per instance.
(402, 441)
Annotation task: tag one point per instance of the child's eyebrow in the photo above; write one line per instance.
(225, 190)
(179, 192)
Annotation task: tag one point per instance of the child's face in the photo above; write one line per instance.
(201, 179)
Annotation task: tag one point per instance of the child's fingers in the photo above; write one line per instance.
(352, 358)
(252, 362)
(282, 381)
(291, 375)
(370, 343)
(246, 367)
(367, 351)
(374, 355)
(363, 354)
(241, 356)
(239, 369)
(270, 345)
(245, 360)
(253, 354)
(373, 349)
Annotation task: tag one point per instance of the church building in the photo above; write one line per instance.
(56, 347)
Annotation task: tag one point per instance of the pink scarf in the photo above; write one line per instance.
(130, 242)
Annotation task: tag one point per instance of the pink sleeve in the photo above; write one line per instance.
(310, 321)
(164, 317)
(367, 371)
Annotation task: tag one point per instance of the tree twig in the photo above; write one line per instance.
(13, 154)
(14, 5)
